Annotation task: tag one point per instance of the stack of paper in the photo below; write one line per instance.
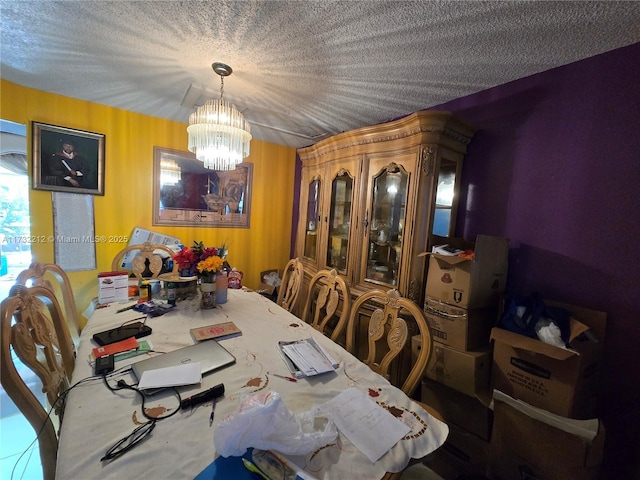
(307, 358)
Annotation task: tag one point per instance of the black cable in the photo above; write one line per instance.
(62, 396)
(122, 385)
(142, 431)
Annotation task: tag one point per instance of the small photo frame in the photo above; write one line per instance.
(67, 160)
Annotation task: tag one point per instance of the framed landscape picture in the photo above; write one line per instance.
(67, 160)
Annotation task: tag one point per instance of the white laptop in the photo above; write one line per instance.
(209, 353)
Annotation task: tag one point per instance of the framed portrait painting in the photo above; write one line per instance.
(67, 160)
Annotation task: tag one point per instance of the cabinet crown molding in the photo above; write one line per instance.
(424, 126)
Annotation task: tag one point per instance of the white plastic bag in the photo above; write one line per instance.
(272, 279)
(264, 422)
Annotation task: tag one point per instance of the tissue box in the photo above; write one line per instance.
(113, 287)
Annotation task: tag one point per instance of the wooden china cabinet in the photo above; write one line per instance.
(373, 199)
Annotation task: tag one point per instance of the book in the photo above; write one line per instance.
(306, 358)
(130, 343)
(144, 346)
(218, 331)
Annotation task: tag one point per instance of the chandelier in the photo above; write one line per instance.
(219, 135)
(170, 172)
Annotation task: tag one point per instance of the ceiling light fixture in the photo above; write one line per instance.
(170, 172)
(219, 135)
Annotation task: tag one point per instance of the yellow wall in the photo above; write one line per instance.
(129, 141)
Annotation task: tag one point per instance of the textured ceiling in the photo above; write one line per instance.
(302, 69)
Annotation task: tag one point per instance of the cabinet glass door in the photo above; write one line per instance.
(312, 220)
(339, 221)
(386, 227)
(445, 195)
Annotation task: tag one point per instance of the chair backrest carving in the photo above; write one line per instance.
(139, 262)
(33, 326)
(328, 304)
(291, 284)
(393, 319)
(52, 276)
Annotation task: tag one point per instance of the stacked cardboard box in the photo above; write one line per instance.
(461, 306)
(477, 282)
(539, 391)
(463, 455)
(563, 381)
(532, 443)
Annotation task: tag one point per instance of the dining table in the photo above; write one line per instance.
(181, 445)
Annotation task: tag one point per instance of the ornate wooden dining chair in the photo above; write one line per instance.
(328, 303)
(52, 276)
(289, 291)
(32, 325)
(146, 255)
(393, 320)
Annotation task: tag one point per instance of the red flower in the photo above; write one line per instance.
(185, 258)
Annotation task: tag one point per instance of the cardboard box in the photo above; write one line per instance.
(564, 382)
(466, 283)
(469, 413)
(466, 372)
(268, 288)
(463, 454)
(458, 327)
(113, 287)
(530, 443)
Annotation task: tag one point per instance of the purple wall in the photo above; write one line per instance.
(555, 167)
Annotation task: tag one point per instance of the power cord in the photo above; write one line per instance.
(142, 431)
(62, 397)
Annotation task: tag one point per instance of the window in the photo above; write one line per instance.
(15, 256)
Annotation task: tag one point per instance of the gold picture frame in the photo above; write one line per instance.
(185, 193)
(67, 160)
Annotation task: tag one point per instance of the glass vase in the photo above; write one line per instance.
(208, 291)
(222, 283)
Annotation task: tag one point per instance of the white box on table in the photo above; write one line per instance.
(113, 287)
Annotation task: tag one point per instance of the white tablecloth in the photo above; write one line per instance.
(182, 445)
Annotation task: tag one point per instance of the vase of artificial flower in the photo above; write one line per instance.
(208, 268)
(205, 263)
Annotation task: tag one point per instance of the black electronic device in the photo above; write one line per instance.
(104, 365)
(202, 397)
(137, 329)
